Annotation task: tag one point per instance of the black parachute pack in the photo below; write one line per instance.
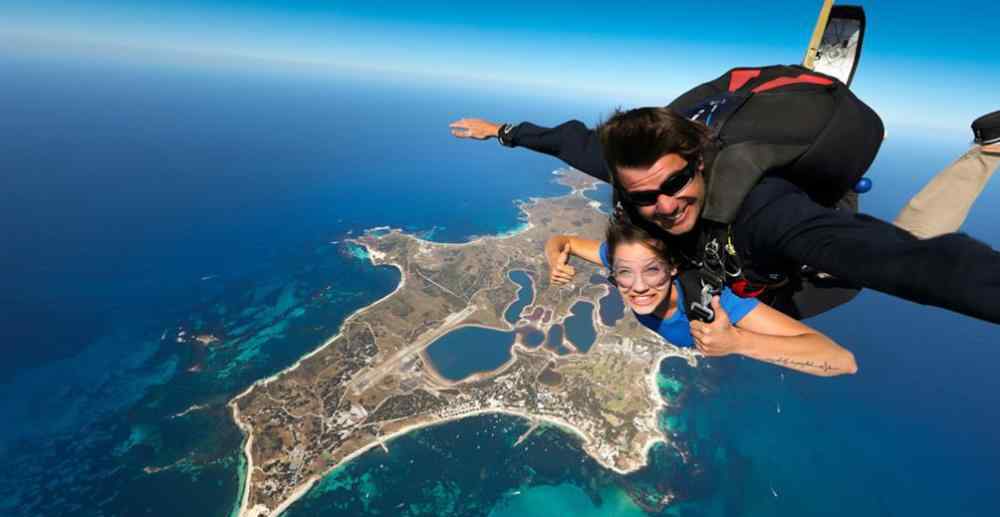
(789, 121)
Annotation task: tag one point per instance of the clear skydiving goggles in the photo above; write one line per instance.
(655, 275)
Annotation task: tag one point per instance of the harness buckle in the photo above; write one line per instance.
(713, 260)
(702, 312)
(703, 309)
(712, 249)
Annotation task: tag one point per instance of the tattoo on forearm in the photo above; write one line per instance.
(785, 361)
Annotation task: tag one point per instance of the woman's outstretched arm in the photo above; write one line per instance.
(770, 336)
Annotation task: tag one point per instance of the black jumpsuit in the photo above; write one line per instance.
(779, 228)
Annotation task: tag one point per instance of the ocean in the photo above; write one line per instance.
(147, 205)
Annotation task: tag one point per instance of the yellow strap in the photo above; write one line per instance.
(817, 37)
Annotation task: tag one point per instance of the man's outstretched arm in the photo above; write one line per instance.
(953, 271)
(572, 142)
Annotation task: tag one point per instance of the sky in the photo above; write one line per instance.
(924, 64)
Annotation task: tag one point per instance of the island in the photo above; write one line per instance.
(374, 380)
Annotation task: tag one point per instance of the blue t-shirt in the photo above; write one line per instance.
(677, 328)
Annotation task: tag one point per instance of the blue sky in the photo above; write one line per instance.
(924, 64)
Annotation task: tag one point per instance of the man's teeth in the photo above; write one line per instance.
(672, 217)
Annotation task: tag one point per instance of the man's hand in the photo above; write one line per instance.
(560, 272)
(717, 338)
(476, 128)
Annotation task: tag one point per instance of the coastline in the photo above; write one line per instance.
(233, 403)
(561, 424)
(557, 422)
(244, 496)
(377, 259)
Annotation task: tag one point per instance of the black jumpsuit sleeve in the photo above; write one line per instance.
(579, 146)
(572, 142)
(953, 271)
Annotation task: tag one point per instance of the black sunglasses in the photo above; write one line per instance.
(670, 186)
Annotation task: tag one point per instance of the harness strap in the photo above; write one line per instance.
(709, 276)
(716, 262)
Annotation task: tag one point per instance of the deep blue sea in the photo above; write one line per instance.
(143, 205)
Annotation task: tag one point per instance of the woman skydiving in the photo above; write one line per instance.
(644, 273)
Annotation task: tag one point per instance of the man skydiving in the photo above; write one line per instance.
(750, 176)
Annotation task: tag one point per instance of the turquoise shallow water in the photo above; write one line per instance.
(246, 247)
(564, 499)
(212, 222)
(750, 439)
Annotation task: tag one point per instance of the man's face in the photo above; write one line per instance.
(676, 214)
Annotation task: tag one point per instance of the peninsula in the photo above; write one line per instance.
(374, 381)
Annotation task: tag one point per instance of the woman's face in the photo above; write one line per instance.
(642, 278)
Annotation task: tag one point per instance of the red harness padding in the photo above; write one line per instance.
(744, 289)
(739, 78)
(785, 81)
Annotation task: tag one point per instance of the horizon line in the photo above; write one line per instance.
(36, 42)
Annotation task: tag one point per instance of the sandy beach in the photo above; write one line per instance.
(377, 258)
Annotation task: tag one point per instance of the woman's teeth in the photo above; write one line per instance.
(643, 300)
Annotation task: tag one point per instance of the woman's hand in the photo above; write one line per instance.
(717, 338)
(560, 272)
(475, 128)
(770, 336)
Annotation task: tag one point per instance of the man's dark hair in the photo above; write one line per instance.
(639, 137)
(621, 231)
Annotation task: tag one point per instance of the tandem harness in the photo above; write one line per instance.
(719, 265)
(784, 120)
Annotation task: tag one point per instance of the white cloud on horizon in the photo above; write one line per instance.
(639, 78)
